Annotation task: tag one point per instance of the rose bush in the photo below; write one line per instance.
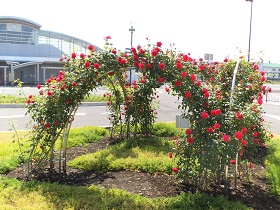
(224, 124)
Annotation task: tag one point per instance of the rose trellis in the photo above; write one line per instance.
(223, 123)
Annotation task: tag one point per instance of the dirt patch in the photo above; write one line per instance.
(254, 195)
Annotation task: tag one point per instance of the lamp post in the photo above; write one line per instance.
(249, 48)
(131, 41)
(131, 37)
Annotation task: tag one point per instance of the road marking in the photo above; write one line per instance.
(81, 114)
(11, 116)
(106, 113)
(21, 116)
(273, 116)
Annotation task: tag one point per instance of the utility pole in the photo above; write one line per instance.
(131, 42)
(131, 30)
(249, 48)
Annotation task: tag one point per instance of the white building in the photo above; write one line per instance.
(30, 54)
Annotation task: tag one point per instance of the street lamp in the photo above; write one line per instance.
(249, 48)
(131, 40)
(132, 30)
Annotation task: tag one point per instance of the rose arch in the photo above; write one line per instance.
(225, 114)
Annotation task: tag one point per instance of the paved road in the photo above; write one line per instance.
(98, 115)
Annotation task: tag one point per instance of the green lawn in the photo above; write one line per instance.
(142, 154)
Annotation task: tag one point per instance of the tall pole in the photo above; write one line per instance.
(249, 48)
(131, 30)
(131, 42)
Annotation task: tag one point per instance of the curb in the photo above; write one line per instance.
(83, 104)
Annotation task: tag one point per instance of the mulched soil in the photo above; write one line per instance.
(255, 195)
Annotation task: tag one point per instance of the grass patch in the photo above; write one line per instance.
(94, 98)
(14, 99)
(85, 135)
(9, 150)
(37, 196)
(272, 163)
(168, 129)
(137, 154)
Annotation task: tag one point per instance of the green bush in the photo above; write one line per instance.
(138, 154)
(273, 165)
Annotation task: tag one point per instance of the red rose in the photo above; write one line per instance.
(178, 83)
(160, 80)
(175, 170)
(239, 116)
(244, 130)
(74, 84)
(141, 66)
(47, 125)
(161, 66)
(184, 74)
(87, 65)
(149, 65)
(226, 138)
(114, 51)
(96, 65)
(243, 142)
(159, 44)
(73, 55)
(204, 115)
(82, 55)
(209, 130)
(232, 161)
(190, 140)
(170, 154)
(255, 134)
(238, 135)
(193, 77)
(38, 86)
(142, 51)
(167, 89)
(154, 52)
(250, 165)
(91, 48)
(263, 79)
(188, 94)
(189, 131)
(217, 126)
(202, 67)
(179, 65)
(256, 141)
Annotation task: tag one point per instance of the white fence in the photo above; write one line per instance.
(272, 97)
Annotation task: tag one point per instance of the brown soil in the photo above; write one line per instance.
(254, 195)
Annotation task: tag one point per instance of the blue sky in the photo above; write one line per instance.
(219, 27)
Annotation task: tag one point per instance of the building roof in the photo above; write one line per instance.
(22, 40)
(271, 65)
(19, 20)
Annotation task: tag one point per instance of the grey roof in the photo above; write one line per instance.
(13, 19)
(48, 45)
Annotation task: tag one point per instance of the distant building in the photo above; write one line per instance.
(30, 54)
(271, 70)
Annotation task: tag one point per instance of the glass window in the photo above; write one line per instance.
(3, 26)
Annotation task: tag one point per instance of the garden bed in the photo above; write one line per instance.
(255, 195)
